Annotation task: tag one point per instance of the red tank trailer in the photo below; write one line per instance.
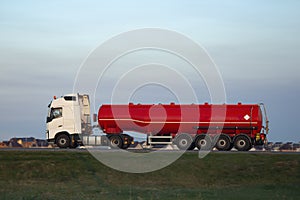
(188, 126)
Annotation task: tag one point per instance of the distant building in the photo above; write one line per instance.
(287, 146)
(13, 142)
(269, 146)
(296, 146)
(4, 144)
(23, 142)
(42, 143)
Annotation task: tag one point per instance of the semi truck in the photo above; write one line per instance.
(188, 126)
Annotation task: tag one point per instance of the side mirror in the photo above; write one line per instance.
(95, 118)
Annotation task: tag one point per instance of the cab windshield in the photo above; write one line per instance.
(54, 113)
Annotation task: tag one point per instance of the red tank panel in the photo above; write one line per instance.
(171, 119)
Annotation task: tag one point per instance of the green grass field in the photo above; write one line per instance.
(77, 175)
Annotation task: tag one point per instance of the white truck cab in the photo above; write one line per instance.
(68, 118)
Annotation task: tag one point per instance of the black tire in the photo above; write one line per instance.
(223, 143)
(74, 145)
(231, 146)
(192, 147)
(203, 142)
(242, 143)
(125, 146)
(115, 142)
(183, 141)
(63, 141)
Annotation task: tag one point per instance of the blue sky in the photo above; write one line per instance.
(255, 44)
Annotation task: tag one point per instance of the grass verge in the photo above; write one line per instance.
(77, 175)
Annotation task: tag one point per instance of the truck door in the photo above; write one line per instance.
(55, 121)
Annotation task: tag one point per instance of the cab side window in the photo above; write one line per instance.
(56, 113)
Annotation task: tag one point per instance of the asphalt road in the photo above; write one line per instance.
(143, 151)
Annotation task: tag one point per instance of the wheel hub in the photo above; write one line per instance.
(203, 142)
(183, 142)
(242, 143)
(222, 143)
(62, 141)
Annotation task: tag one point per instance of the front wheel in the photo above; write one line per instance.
(63, 141)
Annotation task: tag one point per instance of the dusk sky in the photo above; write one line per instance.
(255, 44)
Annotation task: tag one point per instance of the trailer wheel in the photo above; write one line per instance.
(115, 142)
(192, 147)
(63, 141)
(223, 143)
(242, 143)
(125, 146)
(183, 141)
(203, 142)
